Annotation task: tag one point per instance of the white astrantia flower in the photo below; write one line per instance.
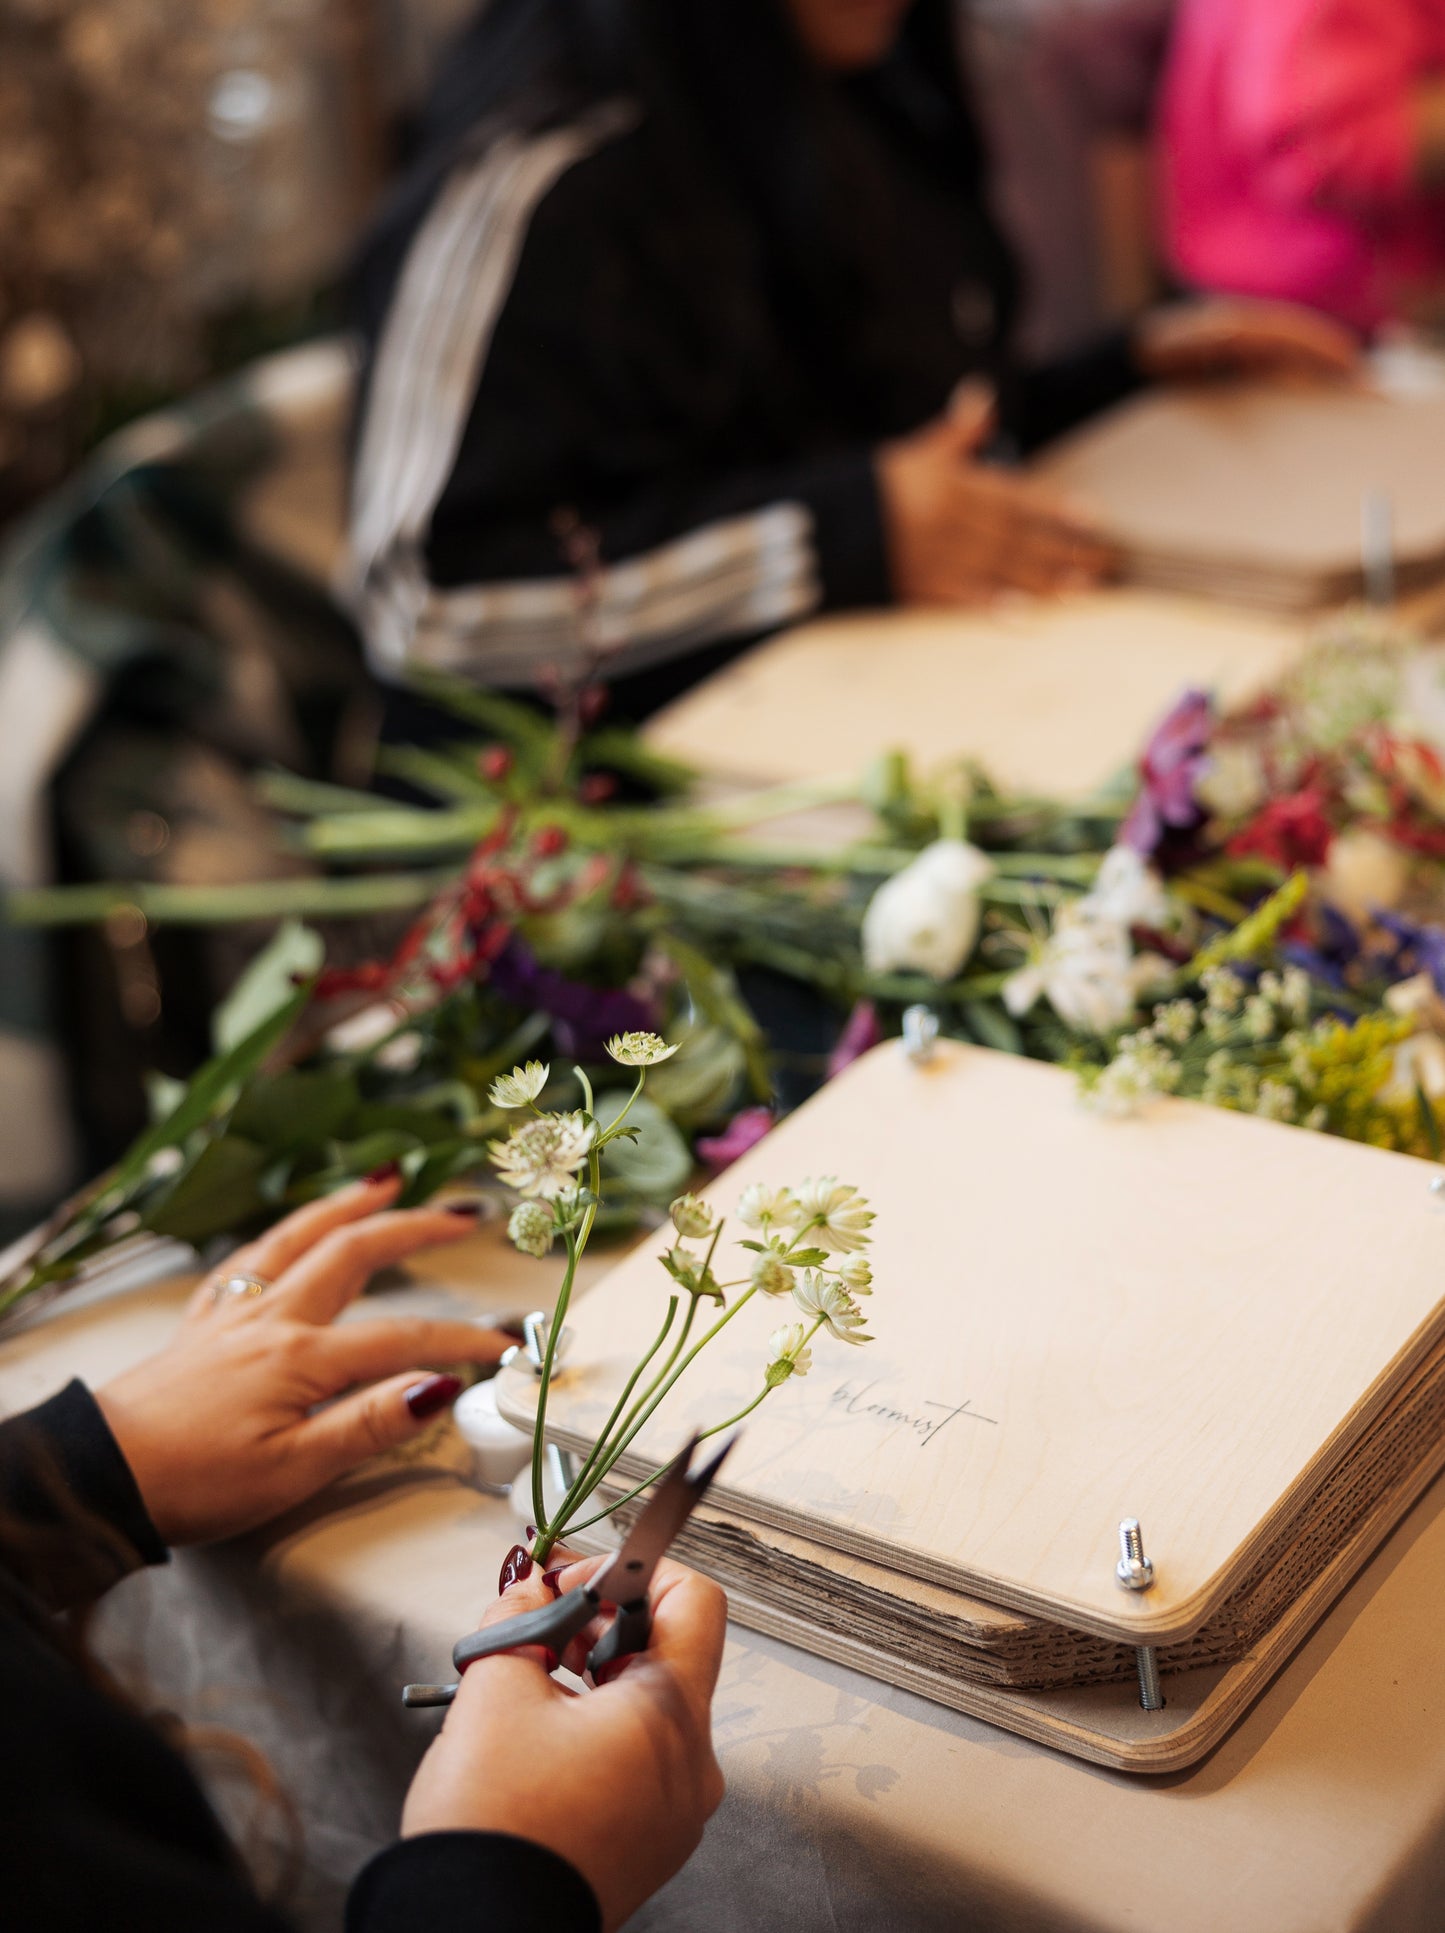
(759, 1205)
(788, 1354)
(1087, 971)
(925, 919)
(835, 1214)
(771, 1273)
(817, 1297)
(691, 1217)
(1127, 891)
(640, 1049)
(542, 1156)
(521, 1087)
(856, 1275)
(532, 1228)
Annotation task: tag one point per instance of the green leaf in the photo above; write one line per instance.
(992, 1026)
(655, 1165)
(218, 1193)
(701, 1082)
(268, 984)
(210, 1091)
(807, 1258)
(295, 1110)
(423, 1124)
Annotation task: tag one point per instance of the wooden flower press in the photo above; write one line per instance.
(1229, 1330)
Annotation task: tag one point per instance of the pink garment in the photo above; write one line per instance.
(1287, 164)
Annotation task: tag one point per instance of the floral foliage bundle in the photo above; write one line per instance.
(1254, 918)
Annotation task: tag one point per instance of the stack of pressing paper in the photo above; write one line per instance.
(1228, 1329)
(1256, 495)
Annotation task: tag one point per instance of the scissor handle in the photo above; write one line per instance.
(554, 1625)
(628, 1632)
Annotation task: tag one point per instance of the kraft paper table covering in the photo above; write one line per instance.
(1053, 698)
(851, 1808)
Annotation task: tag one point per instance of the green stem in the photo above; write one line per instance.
(611, 1133)
(576, 1245)
(663, 1468)
(625, 1441)
(573, 1498)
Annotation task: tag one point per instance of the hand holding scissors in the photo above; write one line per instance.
(622, 1582)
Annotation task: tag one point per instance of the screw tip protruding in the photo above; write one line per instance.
(1133, 1570)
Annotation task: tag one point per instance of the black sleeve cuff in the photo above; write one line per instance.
(1038, 404)
(80, 1522)
(842, 494)
(471, 1882)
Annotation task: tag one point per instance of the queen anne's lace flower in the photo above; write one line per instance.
(532, 1228)
(640, 1049)
(542, 1156)
(819, 1298)
(521, 1087)
(759, 1205)
(788, 1354)
(691, 1217)
(771, 1273)
(836, 1214)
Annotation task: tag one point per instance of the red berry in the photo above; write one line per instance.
(597, 788)
(549, 841)
(495, 763)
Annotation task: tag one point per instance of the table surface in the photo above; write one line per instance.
(850, 1806)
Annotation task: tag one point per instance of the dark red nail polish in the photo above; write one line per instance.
(388, 1171)
(550, 1658)
(469, 1208)
(436, 1393)
(516, 1565)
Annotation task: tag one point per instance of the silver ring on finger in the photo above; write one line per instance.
(239, 1287)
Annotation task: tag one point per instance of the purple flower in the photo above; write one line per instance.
(1419, 949)
(744, 1131)
(583, 1018)
(1174, 761)
(1330, 960)
(860, 1032)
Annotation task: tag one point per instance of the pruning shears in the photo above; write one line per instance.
(622, 1583)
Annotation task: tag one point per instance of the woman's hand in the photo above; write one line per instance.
(1194, 341)
(218, 1428)
(959, 532)
(621, 1780)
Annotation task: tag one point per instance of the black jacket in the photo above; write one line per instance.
(583, 325)
(101, 1823)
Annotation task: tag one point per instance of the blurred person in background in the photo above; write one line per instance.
(1302, 153)
(670, 334)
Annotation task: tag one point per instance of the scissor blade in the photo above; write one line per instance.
(673, 1500)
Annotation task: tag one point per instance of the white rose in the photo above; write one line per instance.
(925, 919)
(1128, 892)
(1365, 870)
(1087, 972)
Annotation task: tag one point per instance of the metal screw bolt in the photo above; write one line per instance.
(1133, 1570)
(1437, 1187)
(1136, 1573)
(534, 1350)
(920, 1032)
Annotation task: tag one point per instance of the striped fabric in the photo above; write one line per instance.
(731, 577)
